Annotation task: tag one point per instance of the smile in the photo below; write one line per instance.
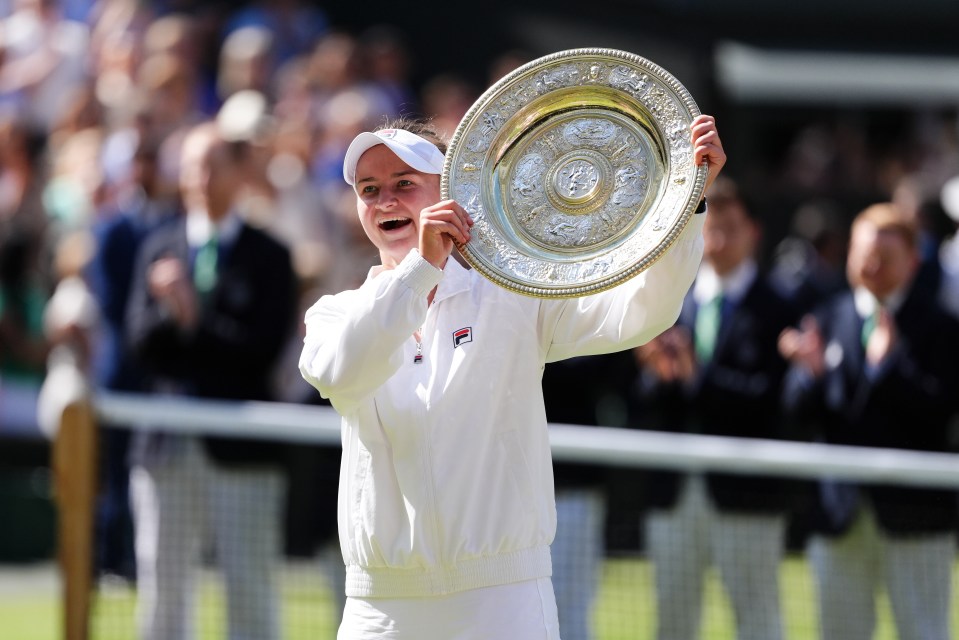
(393, 223)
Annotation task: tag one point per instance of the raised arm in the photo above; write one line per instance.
(641, 308)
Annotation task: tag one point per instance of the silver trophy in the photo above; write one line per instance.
(578, 171)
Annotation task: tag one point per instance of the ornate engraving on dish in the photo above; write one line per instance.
(577, 180)
(528, 177)
(629, 80)
(579, 188)
(578, 171)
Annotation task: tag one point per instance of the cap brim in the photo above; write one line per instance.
(366, 140)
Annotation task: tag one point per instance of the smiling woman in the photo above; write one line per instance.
(413, 360)
(396, 176)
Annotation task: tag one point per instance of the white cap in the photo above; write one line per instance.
(419, 153)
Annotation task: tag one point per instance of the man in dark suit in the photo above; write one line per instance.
(877, 367)
(213, 303)
(718, 372)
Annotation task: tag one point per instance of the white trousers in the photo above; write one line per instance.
(577, 553)
(518, 611)
(916, 571)
(746, 550)
(177, 503)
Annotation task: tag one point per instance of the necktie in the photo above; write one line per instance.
(708, 318)
(869, 325)
(204, 269)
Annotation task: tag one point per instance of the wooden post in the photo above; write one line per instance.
(74, 465)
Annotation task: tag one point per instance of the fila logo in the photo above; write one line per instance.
(462, 336)
(388, 134)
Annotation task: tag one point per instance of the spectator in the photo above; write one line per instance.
(23, 346)
(387, 60)
(446, 99)
(295, 25)
(24, 274)
(876, 366)
(211, 308)
(44, 58)
(23, 177)
(718, 372)
(246, 62)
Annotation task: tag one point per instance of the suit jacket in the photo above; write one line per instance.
(243, 326)
(907, 403)
(737, 393)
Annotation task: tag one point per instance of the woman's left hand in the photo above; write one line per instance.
(707, 147)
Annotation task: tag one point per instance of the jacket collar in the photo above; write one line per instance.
(199, 229)
(456, 279)
(733, 286)
(866, 303)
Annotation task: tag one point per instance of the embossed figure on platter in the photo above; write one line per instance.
(577, 180)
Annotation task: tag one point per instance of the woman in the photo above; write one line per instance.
(446, 507)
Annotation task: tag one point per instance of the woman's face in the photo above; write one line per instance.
(389, 197)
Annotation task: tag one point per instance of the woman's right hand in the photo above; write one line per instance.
(441, 226)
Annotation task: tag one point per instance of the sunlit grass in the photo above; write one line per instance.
(626, 606)
(625, 609)
(307, 609)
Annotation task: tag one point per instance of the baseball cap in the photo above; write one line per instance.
(417, 152)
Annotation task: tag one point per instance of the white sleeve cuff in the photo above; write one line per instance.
(417, 273)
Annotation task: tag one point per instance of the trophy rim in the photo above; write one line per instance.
(542, 289)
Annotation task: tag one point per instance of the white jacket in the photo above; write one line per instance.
(446, 479)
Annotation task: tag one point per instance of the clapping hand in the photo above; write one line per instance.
(170, 285)
(804, 346)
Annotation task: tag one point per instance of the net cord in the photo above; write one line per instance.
(318, 425)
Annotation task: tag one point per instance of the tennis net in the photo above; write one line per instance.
(605, 576)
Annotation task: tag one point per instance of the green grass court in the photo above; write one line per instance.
(624, 612)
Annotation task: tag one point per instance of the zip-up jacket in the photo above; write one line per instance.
(446, 479)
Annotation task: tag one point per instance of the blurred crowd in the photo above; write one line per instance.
(96, 97)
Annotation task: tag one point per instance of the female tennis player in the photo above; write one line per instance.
(446, 508)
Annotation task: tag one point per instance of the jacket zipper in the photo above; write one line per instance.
(428, 458)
